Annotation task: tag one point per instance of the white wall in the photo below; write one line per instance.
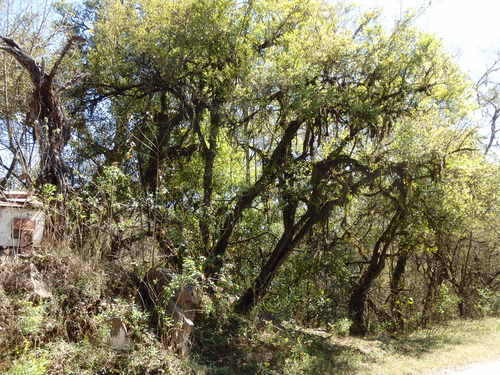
(8, 214)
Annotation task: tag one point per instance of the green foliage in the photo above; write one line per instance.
(487, 302)
(447, 302)
(30, 364)
(31, 319)
(340, 327)
(191, 275)
(298, 157)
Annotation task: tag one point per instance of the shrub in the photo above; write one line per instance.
(29, 364)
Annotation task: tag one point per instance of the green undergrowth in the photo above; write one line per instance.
(69, 333)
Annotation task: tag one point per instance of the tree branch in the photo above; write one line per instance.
(63, 53)
(23, 58)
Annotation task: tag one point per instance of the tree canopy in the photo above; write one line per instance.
(295, 150)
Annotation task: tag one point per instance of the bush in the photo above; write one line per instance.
(29, 364)
(340, 327)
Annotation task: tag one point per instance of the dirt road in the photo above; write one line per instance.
(487, 368)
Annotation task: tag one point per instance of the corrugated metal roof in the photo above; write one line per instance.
(18, 199)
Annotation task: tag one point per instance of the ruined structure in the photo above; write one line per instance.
(21, 222)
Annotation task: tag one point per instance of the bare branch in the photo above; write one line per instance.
(23, 58)
(65, 50)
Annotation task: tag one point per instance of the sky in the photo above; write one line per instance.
(469, 29)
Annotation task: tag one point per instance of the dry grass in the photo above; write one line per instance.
(67, 334)
(429, 351)
(294, 351)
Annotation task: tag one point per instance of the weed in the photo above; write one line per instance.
(31, 319)
(29, 364)
(340, 327)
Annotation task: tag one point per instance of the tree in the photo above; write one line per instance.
(317, 97)
(255, 130)
(24, 23)
(45, 115)
(487, 91)
(350, 167)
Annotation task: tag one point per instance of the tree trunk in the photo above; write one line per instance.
(245, 200)
(280, 253)
(319, 208)
(357, 302)
(51, 129)
(465, 284)
(208, 153)
(437, 279)
(396, 278)
(289, 239)
(159, 148)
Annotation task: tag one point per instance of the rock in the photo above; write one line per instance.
(40, 288)
(21, 277)
(119, 339)
(182, 307)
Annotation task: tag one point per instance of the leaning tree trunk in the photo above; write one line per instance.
(357, 302)
(437, 278)
(51, 129)
(215, 262)
(359, 295)
(282, 250)
(396, 281)
(292, 235)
